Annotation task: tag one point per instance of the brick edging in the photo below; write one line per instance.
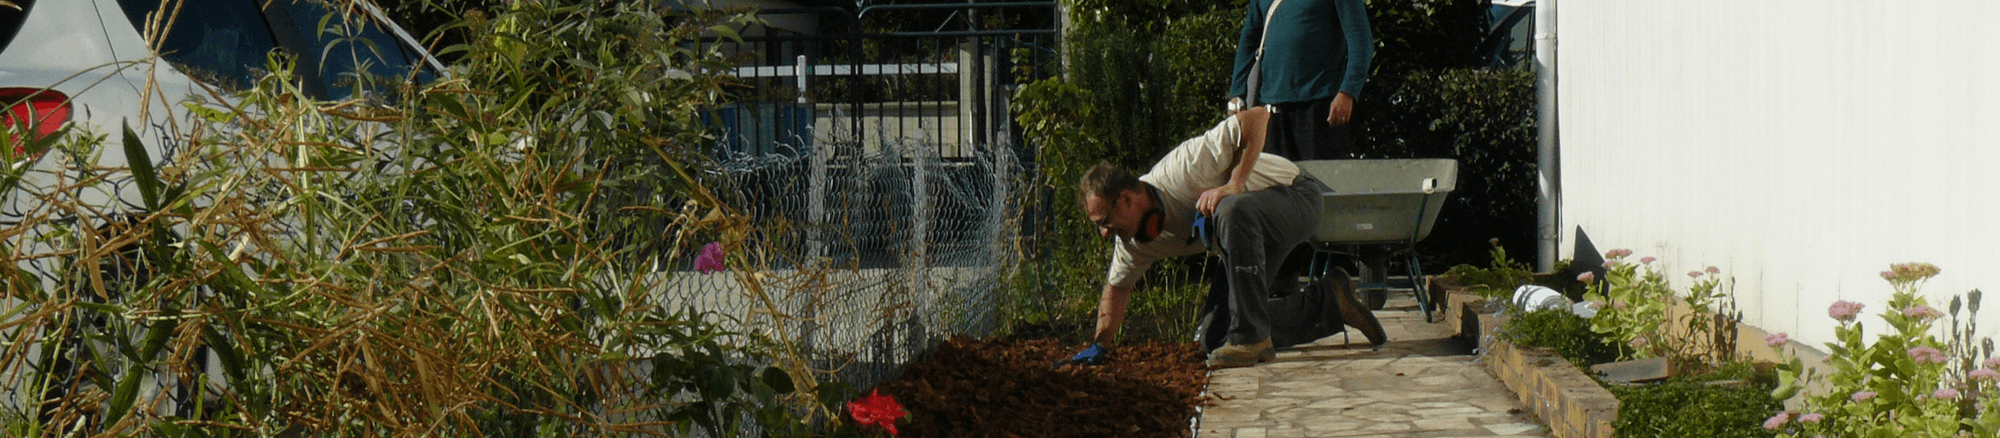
(1570, 403)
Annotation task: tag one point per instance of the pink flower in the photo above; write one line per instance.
(1946, 393)
(1778, 421)
(1844, 311)
(1923, 355)
(1922, 312)
(1776, 339)
(1618, 305)
(878, 410)
(1713, 270)
(1910, 272)
(1694, 274)
(710, 260)
(1984, 373)
(1640, 342)
(1811, 418)
(1648, 259)
(1586, 277)
(1993, 363)
(1610, 264)
(1618, 253)
(1862, 396)
(1594, 305)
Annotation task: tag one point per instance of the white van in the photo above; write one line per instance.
(86, 64)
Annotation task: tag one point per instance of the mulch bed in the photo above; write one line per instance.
(1008, 388)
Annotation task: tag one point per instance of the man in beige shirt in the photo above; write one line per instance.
(1219, 192)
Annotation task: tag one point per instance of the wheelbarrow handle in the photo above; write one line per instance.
(1430, 186)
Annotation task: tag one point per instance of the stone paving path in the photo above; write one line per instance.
(1423, 383)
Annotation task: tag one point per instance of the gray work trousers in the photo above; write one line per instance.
(1254, 232)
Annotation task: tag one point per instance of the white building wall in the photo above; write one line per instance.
(1800, 146)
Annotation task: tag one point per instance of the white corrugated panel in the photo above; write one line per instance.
(1801, 146)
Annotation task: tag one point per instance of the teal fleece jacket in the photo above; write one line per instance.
(1316, 48)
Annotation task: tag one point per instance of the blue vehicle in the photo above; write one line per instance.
(1510, 36)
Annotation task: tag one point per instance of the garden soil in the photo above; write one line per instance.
(1009, 388)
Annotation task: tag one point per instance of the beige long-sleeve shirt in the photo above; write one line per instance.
(1197, 165)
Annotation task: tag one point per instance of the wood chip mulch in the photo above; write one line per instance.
(1008, 388)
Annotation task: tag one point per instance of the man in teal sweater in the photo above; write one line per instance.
(1315, 61)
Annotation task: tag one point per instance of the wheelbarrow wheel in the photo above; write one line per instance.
(1375, 298)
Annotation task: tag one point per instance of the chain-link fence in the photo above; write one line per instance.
(882, 173)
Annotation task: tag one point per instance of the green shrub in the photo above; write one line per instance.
(1692, 406)
(1484, 118)
(1566, 333)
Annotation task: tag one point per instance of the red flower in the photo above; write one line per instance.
(878, 410)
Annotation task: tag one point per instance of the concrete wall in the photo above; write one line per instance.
(1800, 146)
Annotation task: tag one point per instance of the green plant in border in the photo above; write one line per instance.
(1690, 406)
(1495, 281)
(1633, 303)
(1893, 387)
(1565, 333)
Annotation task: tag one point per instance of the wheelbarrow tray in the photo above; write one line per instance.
(1380, 201)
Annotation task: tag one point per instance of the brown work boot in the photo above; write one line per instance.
(1232, 355)
(1352, 312)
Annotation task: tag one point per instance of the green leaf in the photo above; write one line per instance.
(142, 169)
(450, 105)
(1787, 389)
(778, 380)
(156, 335)
(726, 31)
(127, 391)
(230, 356)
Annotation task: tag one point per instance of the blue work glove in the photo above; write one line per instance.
(1202, 228)
(1094, 355)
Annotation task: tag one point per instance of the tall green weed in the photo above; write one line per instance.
(473, 256)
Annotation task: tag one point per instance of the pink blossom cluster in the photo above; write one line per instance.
(1694, 274)
(1844, 311)
(1586, 277)
(1713, 270)
(1618, 253)
(1776, 339)
(1648, 259)
(1812, 418)
(1992, 363)
(1984, 373)
(1777, 421)
(1946, 393)
(1862, 396)
(1925, 355)
(1922, 312)
(710, 260)
(1909, 272)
